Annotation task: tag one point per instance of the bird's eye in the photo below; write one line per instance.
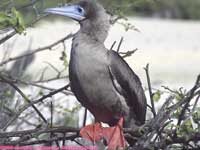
(80, 10)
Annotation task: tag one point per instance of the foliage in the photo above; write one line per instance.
(183, 9)
(14, 20)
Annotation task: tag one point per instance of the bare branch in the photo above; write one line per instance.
(120, 43)
(49, 47)
(154, 134)
(111, 48)
(85, 117)
(128, 53)
(24, 96)
(150, 90)
(32, 103)
(7, 37)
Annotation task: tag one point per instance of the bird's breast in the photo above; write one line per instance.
(89, 65)
(92, 84)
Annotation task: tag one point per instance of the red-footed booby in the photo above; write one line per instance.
(100, 79)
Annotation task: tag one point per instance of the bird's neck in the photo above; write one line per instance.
(95, 29)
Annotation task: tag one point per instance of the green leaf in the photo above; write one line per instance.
(176, 113)
(5, 21)
(180, 94)
(7, 93)
(64, 59)
(157, 95)
(196, 116)
(14, 20)
(18, 20)
(185, 128)
(40, 93)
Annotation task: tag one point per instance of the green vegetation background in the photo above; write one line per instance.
(179, 9)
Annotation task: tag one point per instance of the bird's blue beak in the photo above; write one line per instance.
(75, 12)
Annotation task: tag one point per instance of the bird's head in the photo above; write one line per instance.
(85, 9)
(91, 15)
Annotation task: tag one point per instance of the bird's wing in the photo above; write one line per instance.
(128, 84)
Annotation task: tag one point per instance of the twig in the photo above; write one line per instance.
(35, 83)
(51, 79)
(52, 134)
(7, 37)
(120, 43)
(195, 103)
(111, 48)
(37, 50)
(51, 122)
(53, 67)
(63, 142)
(25, 97)
(80, 144)
(182, 114)
(39, 131)
(114, 20)
(85, 117)
(10, 35)
(150, 90)
(30, 104)
(190, 95)
(128, 53)
(42, 141)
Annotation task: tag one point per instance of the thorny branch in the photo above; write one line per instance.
(159, 123)
(49, 47)
(155, 133)
(24, 96)
(38, 83)
(44, 97)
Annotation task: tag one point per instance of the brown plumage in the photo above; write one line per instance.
(100, 79)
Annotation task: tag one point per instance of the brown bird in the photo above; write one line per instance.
(100, 79)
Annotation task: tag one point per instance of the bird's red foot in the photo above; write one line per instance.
(114, 136)
(92, 132)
